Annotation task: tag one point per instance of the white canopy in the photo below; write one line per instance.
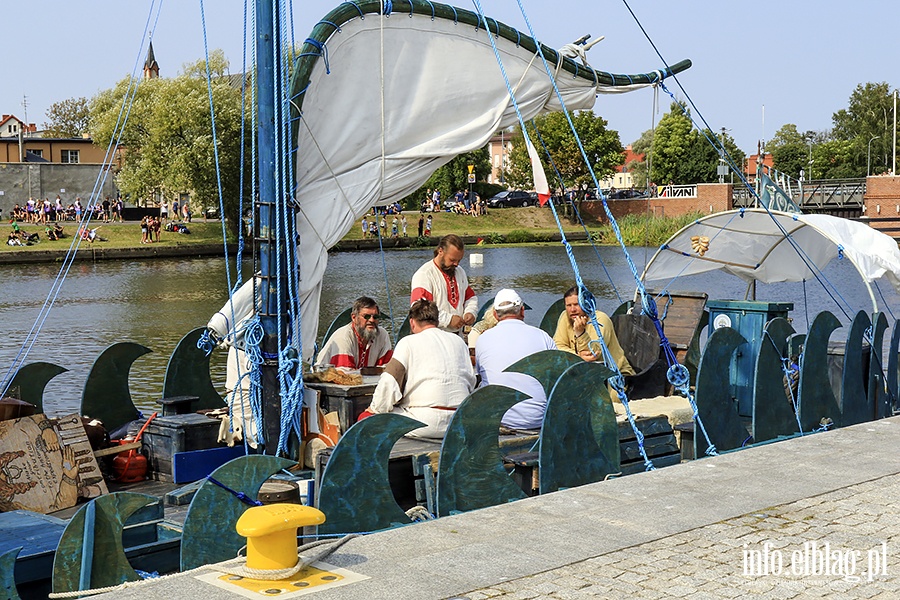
(402, 95)
(753, 245)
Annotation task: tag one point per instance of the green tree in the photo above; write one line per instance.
(703, 158)
(453, 177)
(682, 155)
(790, 150)
(601, 145)
(672, 143)
(68, 119)
(834, 159)
(167, 140)
(867, 118)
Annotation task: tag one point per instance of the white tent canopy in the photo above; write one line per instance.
(753, 245)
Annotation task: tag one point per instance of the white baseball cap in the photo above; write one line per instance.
(507, 298)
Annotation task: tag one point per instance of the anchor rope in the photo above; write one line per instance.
(830, 288)
(676, 373)
(237, 561)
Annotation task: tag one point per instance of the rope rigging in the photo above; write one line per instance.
(585, 298)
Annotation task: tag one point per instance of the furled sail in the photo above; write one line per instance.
(384, 100)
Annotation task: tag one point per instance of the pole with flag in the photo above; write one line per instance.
(537, 169)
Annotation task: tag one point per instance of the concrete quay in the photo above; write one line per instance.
(810, 517)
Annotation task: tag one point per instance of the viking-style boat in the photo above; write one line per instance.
(380, 95)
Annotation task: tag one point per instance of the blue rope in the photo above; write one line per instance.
(584, 296)
(789, 368)
(239, 495)
(559, 179)
(69, 259)
(818, 274)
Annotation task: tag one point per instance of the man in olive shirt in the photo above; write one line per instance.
(574, 331)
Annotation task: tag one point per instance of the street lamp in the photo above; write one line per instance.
(869, 155)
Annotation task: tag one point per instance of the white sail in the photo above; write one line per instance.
(402, 96)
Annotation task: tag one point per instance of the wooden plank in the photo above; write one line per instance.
(816, 396)
(877, 398)
(354, 490)
(31, 379)
(659, 462)
(855, 405)
(579, 436)
(715, 405)
(207, 540)
(38, 535)
(116, 449)
(187, 373)
(654, 446)
(470, 473)
(646, 425)
(106, 394)
(773, 411)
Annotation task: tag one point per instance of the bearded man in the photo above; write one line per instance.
(360, 343)
(442, 281)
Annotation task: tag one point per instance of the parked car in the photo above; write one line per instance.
(627, 194)
(510, 198)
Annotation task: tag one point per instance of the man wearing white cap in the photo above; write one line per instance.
(502, 345)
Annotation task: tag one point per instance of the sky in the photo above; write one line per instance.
(755, 67)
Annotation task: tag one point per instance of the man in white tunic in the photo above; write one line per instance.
(360, 343)
(444, 282)
(510, 340)
(428, 377)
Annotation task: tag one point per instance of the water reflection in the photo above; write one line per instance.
(155, 302)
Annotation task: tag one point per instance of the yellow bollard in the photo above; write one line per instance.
(271, 533)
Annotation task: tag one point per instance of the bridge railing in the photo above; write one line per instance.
(818, 195)
(834, 193)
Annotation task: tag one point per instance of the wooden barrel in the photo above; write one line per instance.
(275, 491)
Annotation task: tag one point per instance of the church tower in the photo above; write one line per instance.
(151, 67)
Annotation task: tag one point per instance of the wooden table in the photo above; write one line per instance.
(348, 401)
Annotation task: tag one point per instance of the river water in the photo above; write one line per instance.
(155, 302)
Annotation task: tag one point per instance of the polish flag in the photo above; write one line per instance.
(540, 178)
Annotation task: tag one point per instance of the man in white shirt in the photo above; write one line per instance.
(428, 377)
(510, 340)
(442, 281)
(360, 343)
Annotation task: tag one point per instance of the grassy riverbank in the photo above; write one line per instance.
(510, 225)
(119, 235)
(533, 224)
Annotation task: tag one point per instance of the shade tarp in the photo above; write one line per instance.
(402, 95)
(754, 246)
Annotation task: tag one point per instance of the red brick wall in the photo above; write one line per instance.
(711, 197)
(884, 190)
(881, 207)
